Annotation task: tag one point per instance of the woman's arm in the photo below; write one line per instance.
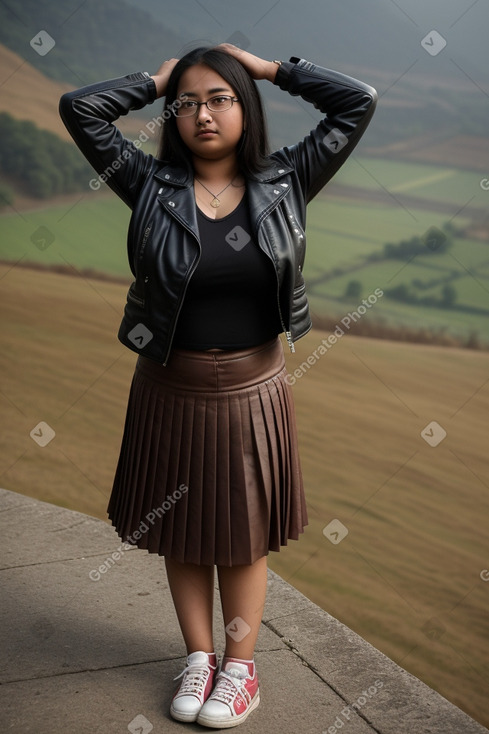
(89, 113)
(348, 105)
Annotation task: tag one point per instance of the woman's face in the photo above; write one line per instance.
(211, 135)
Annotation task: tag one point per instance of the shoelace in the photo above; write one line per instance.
(228, 686)
(195, 679)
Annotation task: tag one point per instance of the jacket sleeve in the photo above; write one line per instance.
(348, 105)
(89, 113)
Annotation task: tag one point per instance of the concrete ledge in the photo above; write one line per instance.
(83, 655)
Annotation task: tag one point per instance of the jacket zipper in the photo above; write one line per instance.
(288, 334)
(189, 275)
(144, 241)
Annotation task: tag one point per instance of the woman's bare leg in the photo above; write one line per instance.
(192, 590)
(243, 591)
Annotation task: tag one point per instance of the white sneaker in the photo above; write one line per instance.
(195, 688)
(235, 696)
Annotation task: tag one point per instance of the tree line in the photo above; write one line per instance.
(433, 241)
(37, 162)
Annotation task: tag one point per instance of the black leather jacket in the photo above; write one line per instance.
(163, 239)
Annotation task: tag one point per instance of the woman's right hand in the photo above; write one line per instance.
(162, 75)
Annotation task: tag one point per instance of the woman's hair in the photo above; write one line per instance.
(253, 146)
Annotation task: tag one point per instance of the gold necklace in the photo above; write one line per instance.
(215, 201)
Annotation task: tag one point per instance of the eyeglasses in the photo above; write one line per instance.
(215, 104)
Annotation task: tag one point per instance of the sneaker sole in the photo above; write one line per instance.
(180, 716)
(229, 723)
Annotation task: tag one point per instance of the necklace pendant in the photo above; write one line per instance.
(215, 202)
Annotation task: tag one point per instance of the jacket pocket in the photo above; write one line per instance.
(133, 297)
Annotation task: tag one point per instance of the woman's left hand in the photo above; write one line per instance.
(256, 67)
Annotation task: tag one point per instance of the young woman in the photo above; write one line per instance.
(209, 474)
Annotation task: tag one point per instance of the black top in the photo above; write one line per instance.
(231, 300)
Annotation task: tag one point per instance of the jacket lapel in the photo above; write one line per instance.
(176, 195)
(265, 191)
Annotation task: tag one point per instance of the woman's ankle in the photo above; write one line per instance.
(211, 654)
(250, 663)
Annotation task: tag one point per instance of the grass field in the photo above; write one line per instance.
(435, 183)
(341, 230)
(90, 232)
(407, 575)
(86, 232)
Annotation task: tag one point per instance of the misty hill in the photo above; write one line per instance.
(93, 40)
(378, 41)
(374, 35)
(425, 100)
(27, 94)
(110, 37)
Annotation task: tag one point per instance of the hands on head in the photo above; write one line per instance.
(162, 75)
(256, 67)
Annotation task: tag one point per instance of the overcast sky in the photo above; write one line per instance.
(382, 33)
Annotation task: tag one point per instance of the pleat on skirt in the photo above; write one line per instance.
(209, 470)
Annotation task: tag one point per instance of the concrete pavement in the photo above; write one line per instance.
(96, 652)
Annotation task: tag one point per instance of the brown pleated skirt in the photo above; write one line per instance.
(209, 471)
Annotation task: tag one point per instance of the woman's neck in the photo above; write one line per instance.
(208, 171)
